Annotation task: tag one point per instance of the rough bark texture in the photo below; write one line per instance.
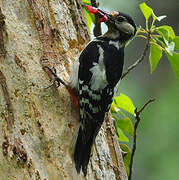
(37, 124)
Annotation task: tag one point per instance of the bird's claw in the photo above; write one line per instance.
(56, 78)
(53, 82)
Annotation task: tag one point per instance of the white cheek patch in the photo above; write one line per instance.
(125, 27)
(98, 80)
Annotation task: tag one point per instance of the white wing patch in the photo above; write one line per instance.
(98, 79)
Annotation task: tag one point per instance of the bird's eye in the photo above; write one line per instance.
(121, 18)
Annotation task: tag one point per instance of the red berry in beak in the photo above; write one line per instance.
(102, 17)
(92, 9)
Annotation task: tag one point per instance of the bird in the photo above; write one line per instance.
(95, 77)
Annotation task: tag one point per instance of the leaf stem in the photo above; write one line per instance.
(142, 36)
(146, 25)
(158, 45)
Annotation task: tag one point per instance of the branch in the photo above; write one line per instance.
(97, 28)
(135, 134)
(140, 59)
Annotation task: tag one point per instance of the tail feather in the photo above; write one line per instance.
(83, 151)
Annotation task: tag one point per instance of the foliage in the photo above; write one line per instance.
(122, 109)
(162, 40)
(127, 157)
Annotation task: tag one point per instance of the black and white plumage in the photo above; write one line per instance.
(95, 76)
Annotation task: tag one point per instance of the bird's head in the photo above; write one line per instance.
(120, 25)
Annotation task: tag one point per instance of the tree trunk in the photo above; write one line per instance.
(37, 124)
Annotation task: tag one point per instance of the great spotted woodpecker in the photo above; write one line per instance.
(94, 78)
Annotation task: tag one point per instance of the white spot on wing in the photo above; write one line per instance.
(84, 101)
(94, 96)
(109, 106)
(98, 79)
(91, 93)
(81, 81)
(80, 91)
(82, 114)
(85, 88)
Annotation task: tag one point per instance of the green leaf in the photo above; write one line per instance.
(125, 103)
(127, 157)
(87, 2)
(164, 34)
(126, 125)
(170, 48)
(154, 17)
(146, 10)
(174, 61)
(155, 56)
(121, 136)
(159, 18)
(161, 40)
(90, 18)
(169, 32)
(176, 40)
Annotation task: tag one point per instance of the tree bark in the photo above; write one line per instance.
(37, 125)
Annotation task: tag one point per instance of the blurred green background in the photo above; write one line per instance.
(157, 155)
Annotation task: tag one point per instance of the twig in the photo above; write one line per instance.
(140, 59)
(144, 106)
(97, 29)
(135, 134)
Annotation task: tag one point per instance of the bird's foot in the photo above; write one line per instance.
(56, 78)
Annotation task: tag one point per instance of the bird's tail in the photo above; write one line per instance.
(83, 150)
